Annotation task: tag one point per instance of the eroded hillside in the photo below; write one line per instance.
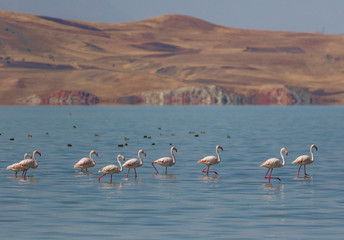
(44, 59)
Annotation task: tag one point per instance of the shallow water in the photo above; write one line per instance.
(56, 201)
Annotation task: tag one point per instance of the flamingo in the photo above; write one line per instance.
(111, 169)
(304, 160)
(26, 164)
(166, 161)
(134, 162)
(211, 160)
(272, 163)
(16, 167)
(85, 163)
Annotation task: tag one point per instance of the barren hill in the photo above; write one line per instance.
(169, 59)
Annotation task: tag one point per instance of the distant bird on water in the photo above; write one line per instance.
(211, 160)
(166, 161)
(26, 164)
(272, 163)
(16, 166)
(111, 169)
(85, 163)
(304, 160)
(134, 162)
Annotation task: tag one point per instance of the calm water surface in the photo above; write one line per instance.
(56, 201)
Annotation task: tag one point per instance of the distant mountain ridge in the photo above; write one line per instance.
(169, 59)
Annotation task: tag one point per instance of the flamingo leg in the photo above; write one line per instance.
(15, 174)
(128, 172)
(111, 179)
(157, 172)
(135, 173)
(213, 172)
(166, 170)
(101, 177)
(267, 173)
(273, 177)
(207, 170)
(270, 174)
(305, 171)
(206, 166)
(298, 172)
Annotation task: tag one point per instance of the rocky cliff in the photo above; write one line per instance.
(61, 97)
(215, 95)
(208, 95)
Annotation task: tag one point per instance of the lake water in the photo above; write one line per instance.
(55, 201)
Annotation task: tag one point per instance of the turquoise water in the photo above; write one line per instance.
(55, 201)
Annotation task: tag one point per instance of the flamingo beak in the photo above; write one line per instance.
(39, 153)
(316, 148)
(144, 153)
(221, 148)
(96, 153)
(286, 152)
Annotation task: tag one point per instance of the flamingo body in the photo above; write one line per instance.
(16, 167)
(211, 160)
(272, 163)
(26, 164)
(166, 161)
(304, 160)
(134, 163)
(85, 163)
(112, 169)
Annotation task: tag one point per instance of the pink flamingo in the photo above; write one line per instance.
(211, 160)
(166, 161)
(111, 169)
(134, 163)
(85, 163)
(272, 163)
(26, 164)
(16, 166)
(304, 160)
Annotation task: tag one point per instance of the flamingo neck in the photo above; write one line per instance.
(91, 157)
(141, 162)
(312, 154)
(218, 155)
(283, 163)
(36, 162)
(120, 164)
(173, 158)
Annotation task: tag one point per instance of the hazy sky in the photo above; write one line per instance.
(326, 16)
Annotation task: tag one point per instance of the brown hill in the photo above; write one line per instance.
(121, 63)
